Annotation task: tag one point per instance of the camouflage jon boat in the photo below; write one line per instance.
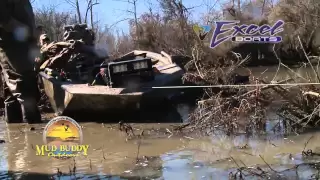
(71, 98)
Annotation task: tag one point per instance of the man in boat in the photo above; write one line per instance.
(18, 49)
(43, 43)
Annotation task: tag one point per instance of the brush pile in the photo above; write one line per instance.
(235, 109)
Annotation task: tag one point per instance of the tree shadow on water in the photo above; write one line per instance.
(42, 176)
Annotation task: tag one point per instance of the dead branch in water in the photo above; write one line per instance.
(267, 164)
(138, 149)
(306, 144)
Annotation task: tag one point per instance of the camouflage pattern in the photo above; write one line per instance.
(43, 43)
(75, 55)
(55, 55)
(17, 54)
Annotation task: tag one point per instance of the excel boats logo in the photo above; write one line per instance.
(230, 30)
(63, 139)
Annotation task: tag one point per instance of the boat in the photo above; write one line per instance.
(72, 98)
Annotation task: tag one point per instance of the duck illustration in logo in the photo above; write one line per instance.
(63, 131)
(201, 30)
(62, 134)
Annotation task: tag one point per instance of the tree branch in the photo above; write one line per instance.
(70, 2)
(117, 23)
(87, 10)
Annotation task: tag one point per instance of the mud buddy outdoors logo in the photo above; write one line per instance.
(63, 139)
(244, 33)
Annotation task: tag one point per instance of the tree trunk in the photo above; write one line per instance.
(91, 16)
(136, 20)
(262, 9)
(78, 11)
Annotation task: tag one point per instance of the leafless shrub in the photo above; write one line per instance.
(53, 21)
(302, 19)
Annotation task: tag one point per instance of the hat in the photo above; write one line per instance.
(43, 37)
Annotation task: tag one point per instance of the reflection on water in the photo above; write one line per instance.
(110, 155)
(161, 156)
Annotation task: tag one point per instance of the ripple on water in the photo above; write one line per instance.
(208, 158)
(186, 168)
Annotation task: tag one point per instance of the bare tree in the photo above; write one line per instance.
(211, 15)
(133, 12)
(89, 9)
(53, 21)
(90, 5)
(75, 4)
(262, 8)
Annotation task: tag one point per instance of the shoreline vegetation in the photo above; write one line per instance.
(172, 31)
(230, 110)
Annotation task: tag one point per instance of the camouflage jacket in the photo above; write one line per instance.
(58, 54)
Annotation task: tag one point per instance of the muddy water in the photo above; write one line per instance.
(161, 155)
(274, 73)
